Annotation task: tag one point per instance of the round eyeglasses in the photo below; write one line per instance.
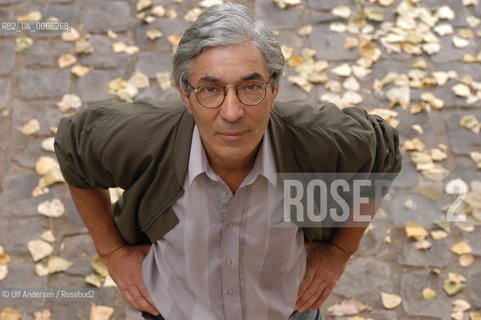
(250, 93)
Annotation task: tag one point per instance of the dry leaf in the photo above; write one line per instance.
(461, 248)
(153, 34)
(34, 15)
(41, 270)
(445, 12)
(344, 70)
(158, 11)
(349, 306)
(171, 14)
(131, 50)
(100, 312)
(163, 78)
(431, 48)
(52, 209)
(413, 145)
(45, 164)
(460, 42)
(3, 272)
(342, 11)
(351, 98)
(143, 5)
(99, 266)
(10, 314)
(95, 280)
(466, 260)
(444, 29)
(390, 301)
(351, 84)
(434, 102)
(39, 249)
(461, 90)
(48, 236)
(429, 294)
(209, 3)
(109, 282)
(423, 245)
(174, 40)
(399, 95)
(22, 44)
(31, 127)
(112, 35)
(79, 70)
(43, 315)
(66, 60)
(192, 15)
(52, 177)
(469, 122)
(118, 47)
(475, 316)
(117, 84)
(139, 80)
(284, 4)
(439, 234)
(57, 264)
(460, 305)
(454, 284)
(418, 128)
(350, 43)
(71, 36)
(374, 14)
(83, 45)
(305, 30)
(473, 21)
(415, 230)
(69, 101)
(338, 27)
(438, 155)
(302, 82)
(127, 93)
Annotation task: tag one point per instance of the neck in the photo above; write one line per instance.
(233, 172)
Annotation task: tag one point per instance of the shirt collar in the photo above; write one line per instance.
(264, 164)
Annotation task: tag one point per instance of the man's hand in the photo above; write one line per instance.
(125, 268)
(325, 264)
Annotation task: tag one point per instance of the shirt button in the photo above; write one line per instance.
(226, 193)
(230, 225)
(228, 261)
(230, 291)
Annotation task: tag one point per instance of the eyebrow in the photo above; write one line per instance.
(251, 76)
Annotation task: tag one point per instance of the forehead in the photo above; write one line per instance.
(229, 64)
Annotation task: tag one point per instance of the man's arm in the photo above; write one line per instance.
(327, 260)
(123, 262)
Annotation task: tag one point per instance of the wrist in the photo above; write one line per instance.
(108, 253)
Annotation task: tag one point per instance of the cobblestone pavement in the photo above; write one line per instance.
(31, 84)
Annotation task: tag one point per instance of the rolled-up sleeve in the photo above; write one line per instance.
(78, 148)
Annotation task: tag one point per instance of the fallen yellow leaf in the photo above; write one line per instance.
(390, 301)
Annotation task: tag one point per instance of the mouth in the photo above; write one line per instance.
(232, 135)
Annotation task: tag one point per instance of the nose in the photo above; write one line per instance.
(231, 109)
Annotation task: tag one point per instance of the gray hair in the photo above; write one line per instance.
(222, 25)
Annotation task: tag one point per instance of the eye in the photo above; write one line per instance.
(210, 89)
(251, 87)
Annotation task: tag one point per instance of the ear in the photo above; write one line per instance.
(185, 99)
(275, 91)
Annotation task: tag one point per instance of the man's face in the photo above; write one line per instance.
(231, 132)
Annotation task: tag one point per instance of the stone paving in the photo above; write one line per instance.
(31, 84)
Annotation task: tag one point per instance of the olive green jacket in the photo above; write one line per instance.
(145, 151)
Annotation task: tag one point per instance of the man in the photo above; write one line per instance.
(192, 237)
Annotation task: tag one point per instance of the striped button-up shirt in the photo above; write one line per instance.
(226, 259)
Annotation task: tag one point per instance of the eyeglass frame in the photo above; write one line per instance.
(264, 85)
